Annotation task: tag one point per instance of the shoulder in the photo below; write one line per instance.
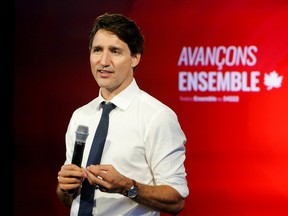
(150, 102)
(86, 109)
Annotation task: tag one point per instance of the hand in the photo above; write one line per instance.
(107, 178)
(70, 177)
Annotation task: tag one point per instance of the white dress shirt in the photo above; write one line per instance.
(144, 142)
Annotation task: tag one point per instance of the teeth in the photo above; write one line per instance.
(104, 71)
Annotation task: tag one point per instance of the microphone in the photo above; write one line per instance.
(81, 136)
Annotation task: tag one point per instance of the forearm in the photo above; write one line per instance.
(161, 198)
(64, 197)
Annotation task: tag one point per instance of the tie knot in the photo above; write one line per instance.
(107, 107)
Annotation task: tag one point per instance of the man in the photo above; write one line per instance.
(142, 166)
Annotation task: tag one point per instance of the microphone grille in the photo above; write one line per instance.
(82, 133)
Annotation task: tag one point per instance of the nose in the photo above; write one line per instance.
(105, 59)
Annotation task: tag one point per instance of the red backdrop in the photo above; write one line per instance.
(235, 116)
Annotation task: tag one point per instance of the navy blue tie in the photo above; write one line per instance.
(87, 190)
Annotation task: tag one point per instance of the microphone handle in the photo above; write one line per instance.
(77, 158)
(78, 153)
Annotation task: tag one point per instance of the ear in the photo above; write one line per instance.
(135, 60)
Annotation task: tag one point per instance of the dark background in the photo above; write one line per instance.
(7, 92)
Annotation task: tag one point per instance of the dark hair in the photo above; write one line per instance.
(125, 29)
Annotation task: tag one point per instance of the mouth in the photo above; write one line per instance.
(104, 73)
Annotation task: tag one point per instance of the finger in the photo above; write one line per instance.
(104, 167)
(102, 189)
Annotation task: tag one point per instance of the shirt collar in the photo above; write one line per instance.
(124, 98)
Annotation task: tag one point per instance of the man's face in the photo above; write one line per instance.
(111, 63)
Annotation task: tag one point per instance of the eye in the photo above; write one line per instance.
(116, 51)
(96, 50)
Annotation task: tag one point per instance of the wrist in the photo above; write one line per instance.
(127, 185)
(133, 190)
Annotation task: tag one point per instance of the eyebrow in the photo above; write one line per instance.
(110, 47)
